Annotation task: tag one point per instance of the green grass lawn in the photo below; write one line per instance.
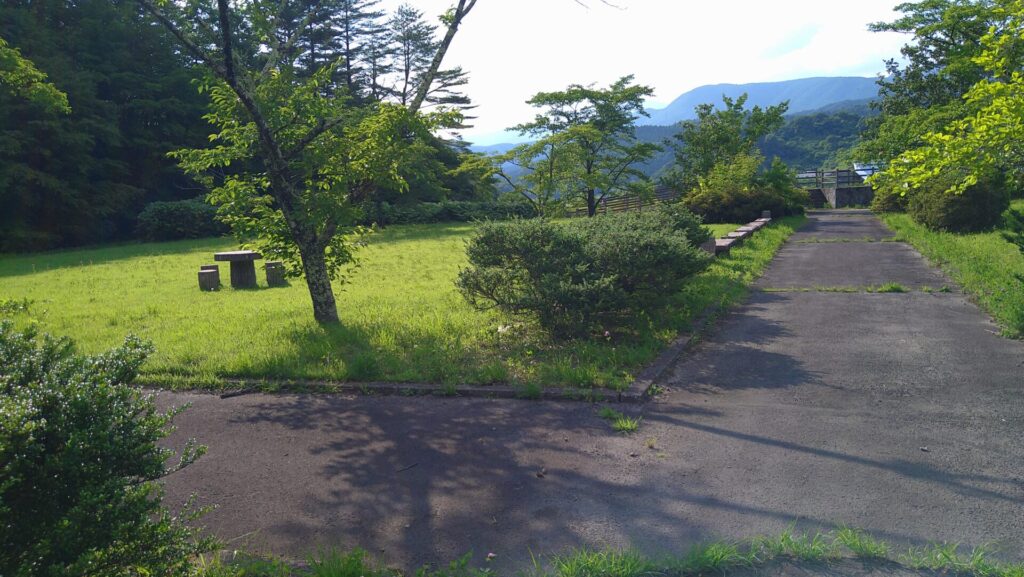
(401, 318)
(988, 267)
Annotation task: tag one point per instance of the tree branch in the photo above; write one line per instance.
(193, 48)
(225, 33)
(453, 26)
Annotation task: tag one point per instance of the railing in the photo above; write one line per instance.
(624, 203)
(845, 178)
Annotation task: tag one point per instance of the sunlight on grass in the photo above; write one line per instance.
(986, 265)
(402, 318)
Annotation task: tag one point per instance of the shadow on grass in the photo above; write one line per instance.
(12, 265)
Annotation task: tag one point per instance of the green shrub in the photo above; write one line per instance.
(585, 276)
(980, 207)
(180, 219)
(79, 461)
(734, 191)
(887, 199)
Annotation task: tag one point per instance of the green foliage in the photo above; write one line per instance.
(585, 563)
(403, 320)
(360, 150)
(979, 207)
(861, 544)
(181, 219)
(585, 147)
(717, 136)
(817, 140)
(81, 178)
(734, 191)
(586, 276)
(988, 267)
(1013, 228)
(967, 152)
(889, 199)
(619, 422)
(79, 463)
(446, 211)
(923, 91)
(20, 77)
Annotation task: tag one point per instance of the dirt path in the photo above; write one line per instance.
(901, 413)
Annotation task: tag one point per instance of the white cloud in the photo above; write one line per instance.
(514, 48)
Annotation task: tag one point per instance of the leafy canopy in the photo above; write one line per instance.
(363, 150)
(720, 134)
(987, 140)
(585, 146)
(21, 77)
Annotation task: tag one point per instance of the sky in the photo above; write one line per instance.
(515, 48)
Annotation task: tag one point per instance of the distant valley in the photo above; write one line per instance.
(825, 116)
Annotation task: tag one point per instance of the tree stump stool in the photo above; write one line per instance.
(213, 267)
(275, 273)
(209, 280)
(243, 267)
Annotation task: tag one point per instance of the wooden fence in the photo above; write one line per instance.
(625, 203)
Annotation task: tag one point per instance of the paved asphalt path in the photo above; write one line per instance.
(902, 414)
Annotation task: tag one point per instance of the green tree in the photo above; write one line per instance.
(988, 140)
(23, 79)
(718, 135)
(924, 92)
(359, 24)
(303, 158)
(80, 178)
(585, 147)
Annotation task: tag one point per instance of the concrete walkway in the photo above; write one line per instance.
(900, 413)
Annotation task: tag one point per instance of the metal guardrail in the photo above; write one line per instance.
(844, 178)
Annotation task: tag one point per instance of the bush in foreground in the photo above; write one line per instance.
(585, 276)
(979, 207)
(79, 462)
(178, 220)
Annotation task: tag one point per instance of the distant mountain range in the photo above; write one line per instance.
(824, 116)
(804, 94)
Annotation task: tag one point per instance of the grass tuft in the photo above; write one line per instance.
(718, 557)
(861, 544)
(586, 563)
(889, 287)
(620, 423)
(816, 547)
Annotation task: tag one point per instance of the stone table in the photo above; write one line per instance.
(243, 267)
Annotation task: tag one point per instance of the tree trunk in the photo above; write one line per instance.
(591, 203)
(314, 265)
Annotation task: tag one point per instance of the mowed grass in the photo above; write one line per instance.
(402, 319)
(988, 267)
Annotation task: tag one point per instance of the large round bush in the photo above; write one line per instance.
(979, 207)
(585, 276)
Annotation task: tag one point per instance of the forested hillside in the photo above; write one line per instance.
(83, 177)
